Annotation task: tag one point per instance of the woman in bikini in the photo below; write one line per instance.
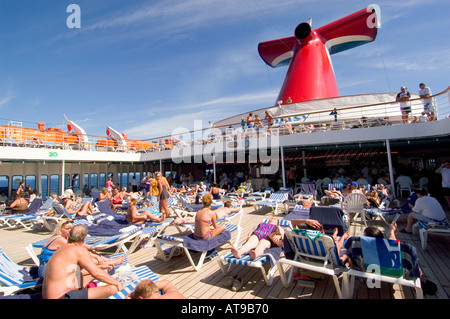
(215, 191)
(204, 219)
(116, 199)
(139, 218)
(163, 197)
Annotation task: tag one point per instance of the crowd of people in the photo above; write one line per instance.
(67, 245)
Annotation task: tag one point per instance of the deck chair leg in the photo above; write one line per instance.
(423, 238)
(225, 269)
(268, 275)
(285, 280)
(338, 287)
(200, 262)
(33, 256)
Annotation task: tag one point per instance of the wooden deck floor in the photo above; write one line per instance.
(208, 282)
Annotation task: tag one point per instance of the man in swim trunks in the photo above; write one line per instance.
(71, 269)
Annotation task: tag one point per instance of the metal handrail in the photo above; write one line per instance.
(348, 117)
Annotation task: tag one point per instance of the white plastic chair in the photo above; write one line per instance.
(354, 203)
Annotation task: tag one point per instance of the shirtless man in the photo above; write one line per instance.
(71, 268)
(81, 211)
(220, 213)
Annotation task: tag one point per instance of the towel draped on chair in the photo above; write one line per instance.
(206, 245)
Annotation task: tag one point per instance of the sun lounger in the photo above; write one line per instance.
(274, 201)
(188, 244)
(142, 273)
(383, 213)
(267, 260)
(425, 228)
(312, 251)
(14, 277)
(380, 259)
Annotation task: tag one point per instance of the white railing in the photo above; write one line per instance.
(347, 118)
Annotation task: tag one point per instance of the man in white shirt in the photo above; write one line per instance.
(444, 170)
(403, 97)
(426, 209)
(425, 94)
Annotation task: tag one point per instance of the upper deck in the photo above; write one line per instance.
(353, 124)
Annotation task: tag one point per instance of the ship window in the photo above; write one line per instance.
(54, 184)
(138, 177)
(86, 180)
(94, 180)
(44, 186)
(102, 180)
(66, 181)
(75, 182)
(124, 180)
(16, 180)
(30, 180)
(4, 184)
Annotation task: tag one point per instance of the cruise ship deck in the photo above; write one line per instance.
(208, 282)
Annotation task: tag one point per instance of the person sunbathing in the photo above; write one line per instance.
(221, 212)
(59, 239)
(333, 193)
(83, 210)
(205, 219)
(70, 271)
(138, 218)
(258, 240)
(161, 289)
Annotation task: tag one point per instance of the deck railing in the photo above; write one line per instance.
(14, 135)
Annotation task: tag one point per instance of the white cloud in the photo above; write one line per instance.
(10, 95)
(213, 110)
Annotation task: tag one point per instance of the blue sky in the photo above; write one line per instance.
(148, 67)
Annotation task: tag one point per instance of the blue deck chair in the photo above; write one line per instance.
(49, 222)
(386, 212)
(311, 250)
(267, 260)
(274, 201)
(18, 220)
(339, 186)
(14, 277)
(307, 190)
(425, 228)
(380, 259)
(142, 273)
(188, 244)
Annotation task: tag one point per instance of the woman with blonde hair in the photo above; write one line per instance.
(139, 218)
(204, 219)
